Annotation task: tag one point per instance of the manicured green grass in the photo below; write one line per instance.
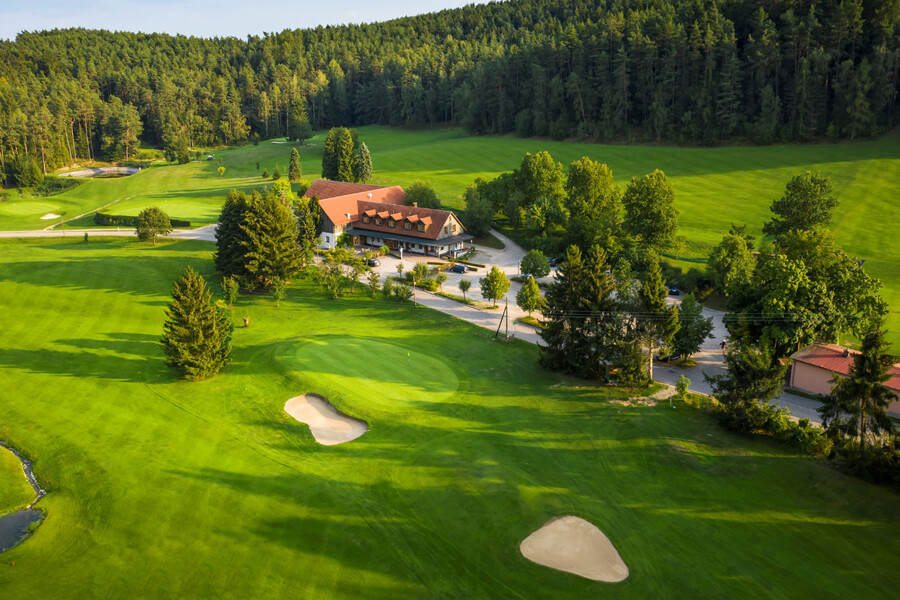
(714, 187)
(15, 491)
(163, 488)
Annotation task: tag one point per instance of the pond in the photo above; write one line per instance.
(14, 526)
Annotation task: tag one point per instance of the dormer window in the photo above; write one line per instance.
(365, 219)
(391, 222)
(407, 225)
(421, 226)
(378, 220)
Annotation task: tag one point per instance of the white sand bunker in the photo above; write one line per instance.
(49, 216)
(328, 425)
(576, 546)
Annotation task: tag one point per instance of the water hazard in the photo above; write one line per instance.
(14, 527)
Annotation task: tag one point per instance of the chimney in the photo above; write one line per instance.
(348, 216)
(415, 205)
(370, 194)
(846, 352)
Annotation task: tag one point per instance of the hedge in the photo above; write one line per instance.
(128, 221)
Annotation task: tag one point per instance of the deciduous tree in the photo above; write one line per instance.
(495, 285)
(650, 213)
(152, 223)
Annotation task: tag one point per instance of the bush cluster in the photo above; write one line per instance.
(128, 221)
(774, 421)
(56, 185)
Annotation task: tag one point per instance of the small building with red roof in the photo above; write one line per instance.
(814, 367)
(376, 216)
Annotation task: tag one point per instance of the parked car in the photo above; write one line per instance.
(674, 291)
(458, 269)
(554, 262)
(373, 262)
(667, 357)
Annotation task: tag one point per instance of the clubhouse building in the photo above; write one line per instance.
(376, 216)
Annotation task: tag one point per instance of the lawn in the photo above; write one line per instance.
(714, 187)
(161, 488)
(15, 491)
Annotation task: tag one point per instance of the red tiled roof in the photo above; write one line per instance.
(338, 207)
(832, 358)
(432, 218)
(324, 189)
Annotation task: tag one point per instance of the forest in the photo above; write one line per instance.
(692, 72)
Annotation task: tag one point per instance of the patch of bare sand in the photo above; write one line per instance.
(328, 425)
(574, 545)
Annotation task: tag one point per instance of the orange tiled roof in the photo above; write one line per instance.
(432, 218)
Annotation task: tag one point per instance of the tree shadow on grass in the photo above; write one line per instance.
(91, 362)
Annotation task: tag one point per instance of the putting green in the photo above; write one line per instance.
(377, 373)
(15, 492)
(24, 208)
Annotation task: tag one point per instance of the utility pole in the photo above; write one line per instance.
(506, 314)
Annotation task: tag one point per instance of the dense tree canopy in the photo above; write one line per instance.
(692, 70)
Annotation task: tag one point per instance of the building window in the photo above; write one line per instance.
(407, 225)
(454, 228)
(378, 221)
(365, 219)
(421, 226)
(391, 223)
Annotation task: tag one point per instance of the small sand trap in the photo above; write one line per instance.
(576, 546)
(49, 216)
(328, 425)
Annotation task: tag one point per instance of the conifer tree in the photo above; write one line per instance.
(294, 170)
(338, 159)
(694, 328)
(230, 237)
(858, 404)
(197, 333)
(269, 247)
(657, 324)
(363, 168)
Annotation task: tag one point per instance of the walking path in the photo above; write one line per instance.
(207, 233)
(709, 360)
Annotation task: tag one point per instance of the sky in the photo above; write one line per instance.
(204, 18)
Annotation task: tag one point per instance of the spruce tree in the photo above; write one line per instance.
(230, 237)
(344, 157)
(294, 170)
(329, 155)
(858, 404)
(363, 168)
(270, 248)
(197, 333)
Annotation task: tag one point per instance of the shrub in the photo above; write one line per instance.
(56, 185)
(810, 439)
(129, 221)
(402, 292)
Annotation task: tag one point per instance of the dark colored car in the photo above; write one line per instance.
(373, 262)
(554, 262)
(458, 269)
(674, 291)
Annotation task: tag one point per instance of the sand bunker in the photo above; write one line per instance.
(328, 425)
(49, 216)
(576, 546)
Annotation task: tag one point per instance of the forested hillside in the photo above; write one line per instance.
(697, 71)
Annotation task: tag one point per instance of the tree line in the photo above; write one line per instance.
(704, 71)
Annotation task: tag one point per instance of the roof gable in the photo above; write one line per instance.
(433, 219)
(341, 210)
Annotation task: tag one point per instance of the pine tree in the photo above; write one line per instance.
(197, 333)
(270, 248)
(363, 168)
(294, 171)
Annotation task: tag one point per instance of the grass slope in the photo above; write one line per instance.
(714, 187)
(15, 491)
(161, 488)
